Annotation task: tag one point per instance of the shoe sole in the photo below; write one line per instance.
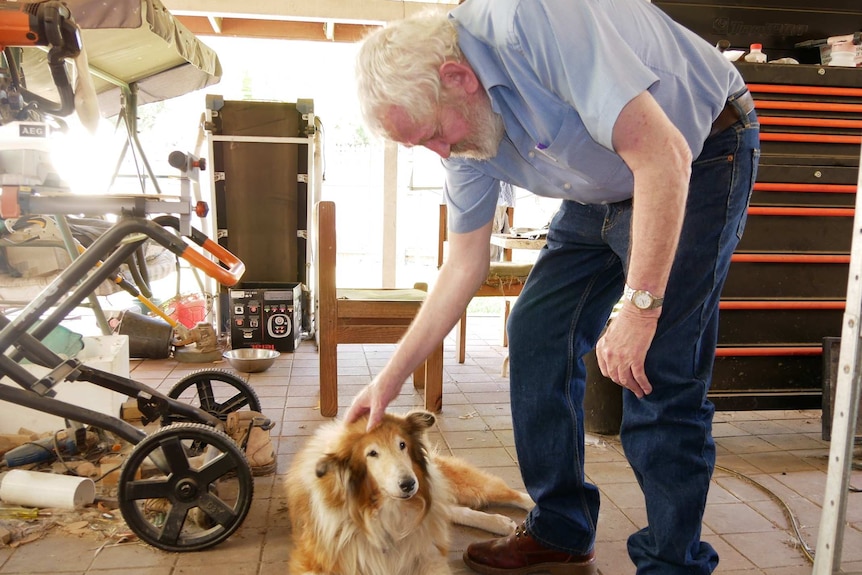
(542, 568)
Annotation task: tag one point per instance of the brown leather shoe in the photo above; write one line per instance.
(520, 554)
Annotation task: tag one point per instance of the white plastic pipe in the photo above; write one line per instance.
(35, 489)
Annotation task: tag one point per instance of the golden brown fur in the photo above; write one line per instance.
(379, 503)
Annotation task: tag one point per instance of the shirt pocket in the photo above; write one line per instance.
(574, 149)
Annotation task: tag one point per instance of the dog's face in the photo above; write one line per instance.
(387, 460)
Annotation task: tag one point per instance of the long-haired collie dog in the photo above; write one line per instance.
(381, 503)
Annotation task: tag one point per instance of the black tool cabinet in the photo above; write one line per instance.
(787, 285)
(786, 289)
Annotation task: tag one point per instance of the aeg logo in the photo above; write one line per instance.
(32, 130)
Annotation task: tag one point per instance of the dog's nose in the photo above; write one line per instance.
(407, 485)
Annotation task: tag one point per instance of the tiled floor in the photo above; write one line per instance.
(771, 463)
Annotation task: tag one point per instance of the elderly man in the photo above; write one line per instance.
(648, 136)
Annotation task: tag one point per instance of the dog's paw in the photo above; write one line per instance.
(500, 524)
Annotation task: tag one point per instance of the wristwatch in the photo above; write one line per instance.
(641, 298)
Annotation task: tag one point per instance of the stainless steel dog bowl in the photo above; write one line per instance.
(251, 360)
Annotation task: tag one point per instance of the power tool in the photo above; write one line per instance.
(48, 24)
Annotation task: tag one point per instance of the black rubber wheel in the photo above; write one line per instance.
(185, 503)
(216, 391)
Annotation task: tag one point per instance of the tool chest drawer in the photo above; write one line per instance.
(786, 276)
(797, 230)
(787, 182)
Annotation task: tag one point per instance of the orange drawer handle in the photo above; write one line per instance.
(789, 211)
(806, 106)
(779, 305)
(790, 258)
(825, 188)
(809, 138)
(809, 122)
(805, 90)
(766, 351)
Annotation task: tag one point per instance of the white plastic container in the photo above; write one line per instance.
(106, 352)
(755, 54)
(843, 54)
(37, 489)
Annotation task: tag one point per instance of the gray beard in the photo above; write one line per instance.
(488, 131)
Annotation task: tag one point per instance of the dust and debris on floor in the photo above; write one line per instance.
(86, 453)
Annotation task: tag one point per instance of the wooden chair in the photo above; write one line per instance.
(363, 316)
(505, 279)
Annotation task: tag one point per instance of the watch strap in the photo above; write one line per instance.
(629, 294)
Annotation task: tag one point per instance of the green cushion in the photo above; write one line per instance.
(381, 294)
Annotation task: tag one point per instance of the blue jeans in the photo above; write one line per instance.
(667, 435)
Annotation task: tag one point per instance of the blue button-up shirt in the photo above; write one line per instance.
(559, 72)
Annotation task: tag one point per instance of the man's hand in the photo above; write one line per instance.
(371, 401)
(622, 350)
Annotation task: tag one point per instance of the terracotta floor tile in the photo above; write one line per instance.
(736, 518)
(768, 549)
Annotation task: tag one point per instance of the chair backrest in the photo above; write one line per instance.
(325, 309)
(443, 232)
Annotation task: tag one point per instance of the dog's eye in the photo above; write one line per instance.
(372, 453)
(402, 446)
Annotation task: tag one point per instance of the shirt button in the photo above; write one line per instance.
(567, 186)
(531, 154)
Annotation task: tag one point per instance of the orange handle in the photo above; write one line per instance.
(228, 276)
(766, 351)
(790, 258)
(791, 211)
(805, 90)
(825, 188)
(809, 138)
(806, 106)
(780, 305)
(808, 122)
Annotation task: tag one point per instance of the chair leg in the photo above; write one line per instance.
(507, 307)
(461, 338)
(419, 377)
(328, 378)
(434, 380)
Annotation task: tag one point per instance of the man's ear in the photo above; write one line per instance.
(458, 75)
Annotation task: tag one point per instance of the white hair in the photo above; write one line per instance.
(399, 65)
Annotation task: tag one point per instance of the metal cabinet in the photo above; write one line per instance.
(786, 288)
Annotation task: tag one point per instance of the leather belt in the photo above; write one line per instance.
(730, 114)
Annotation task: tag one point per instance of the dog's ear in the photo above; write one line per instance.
(325, 464)
(420, 420)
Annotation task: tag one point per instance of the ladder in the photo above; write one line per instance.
(827, 559)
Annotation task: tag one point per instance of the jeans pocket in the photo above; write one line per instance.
(755, 159)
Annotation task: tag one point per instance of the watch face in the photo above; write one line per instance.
(641, 299)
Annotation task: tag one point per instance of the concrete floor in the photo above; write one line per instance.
(770, 464)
